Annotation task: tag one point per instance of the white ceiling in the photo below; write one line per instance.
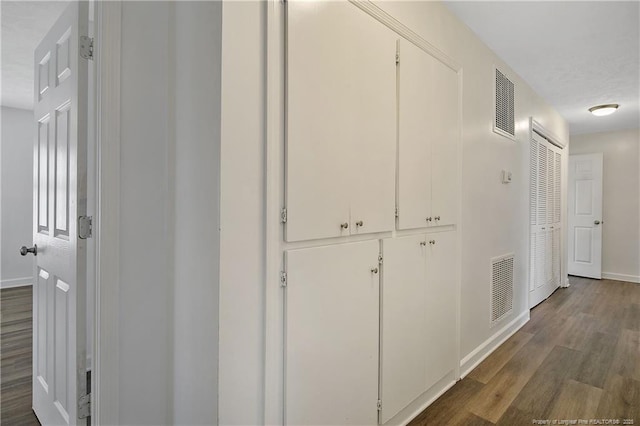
(23, 25)
(575, 54)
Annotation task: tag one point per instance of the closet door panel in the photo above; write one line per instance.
(403, 313)
(445, 135)
(332, 335)
(441, 306)
(340, 99)
(416, 121)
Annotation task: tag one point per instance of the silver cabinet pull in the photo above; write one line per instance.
(374, 270)
(429, 219)
(24, 250)
(359, 223)
(344, 225)
(423, 243)
(432, 242)
(437, 218)
(596, 222)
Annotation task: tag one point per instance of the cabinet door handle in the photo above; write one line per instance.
(423, 243)
(432, 242)
(359, 223)
(374, 270)
(429, 219)
(437, 218)
(344, 225)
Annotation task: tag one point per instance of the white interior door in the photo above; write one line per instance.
(332, 335)
(585, 215)
(404, 338)
(60, 109)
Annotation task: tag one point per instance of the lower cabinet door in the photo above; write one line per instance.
(332, 335)
(404, 325)
(441, 306)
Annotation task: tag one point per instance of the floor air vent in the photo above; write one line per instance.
(504, 123)
(501, 287)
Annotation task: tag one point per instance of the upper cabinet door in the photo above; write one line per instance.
(340, 121)
(416, 121)
(445, 133)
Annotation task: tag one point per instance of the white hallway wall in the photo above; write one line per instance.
(621, 199)
(159, 353)
(495, 216)
(17, 191)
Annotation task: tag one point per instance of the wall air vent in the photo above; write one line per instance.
(501, 287)
(504, 122)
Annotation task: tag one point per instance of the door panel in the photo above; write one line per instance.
(404, 323)
(441, 306)
(340, 155)
(585, 215)
(415, 123)
(332, 335)
(445, 134)
(60, 114)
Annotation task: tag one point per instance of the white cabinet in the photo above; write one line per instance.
(418, 311)
(428, 129)
(341, 122)
(332, 335)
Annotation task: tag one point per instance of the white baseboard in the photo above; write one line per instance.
(16, 282)
(621, 277)
(479, 354)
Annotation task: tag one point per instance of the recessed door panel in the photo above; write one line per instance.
(404, 336)
(416, 89)
(445, 135)
(332, 335)
(441, 306)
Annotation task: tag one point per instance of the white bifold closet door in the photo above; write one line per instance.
(341, 122)
(545, 218)
(332, 335)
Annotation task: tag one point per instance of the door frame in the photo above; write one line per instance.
(106, 69)
(537, 127)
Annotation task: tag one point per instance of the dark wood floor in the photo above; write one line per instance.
(577, 358)
(15, 357)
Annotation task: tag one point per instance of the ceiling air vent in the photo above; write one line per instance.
(504, 123)
(501, 287)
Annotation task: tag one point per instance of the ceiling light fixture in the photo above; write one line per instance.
(601, 110)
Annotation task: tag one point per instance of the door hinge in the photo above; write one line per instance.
(84, 406)
(397, 212)
(379, 259)
(86, 47)
(283, 279)
(85, 227)
(283, 215)
(379, 405)
(397, 58)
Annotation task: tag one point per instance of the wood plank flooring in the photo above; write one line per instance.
(15, 357)
(578, 358)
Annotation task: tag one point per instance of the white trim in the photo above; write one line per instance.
(392, 23)
(107, 54)
(547, 134)
(479, 354)
(16, 282)
(621, 277)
